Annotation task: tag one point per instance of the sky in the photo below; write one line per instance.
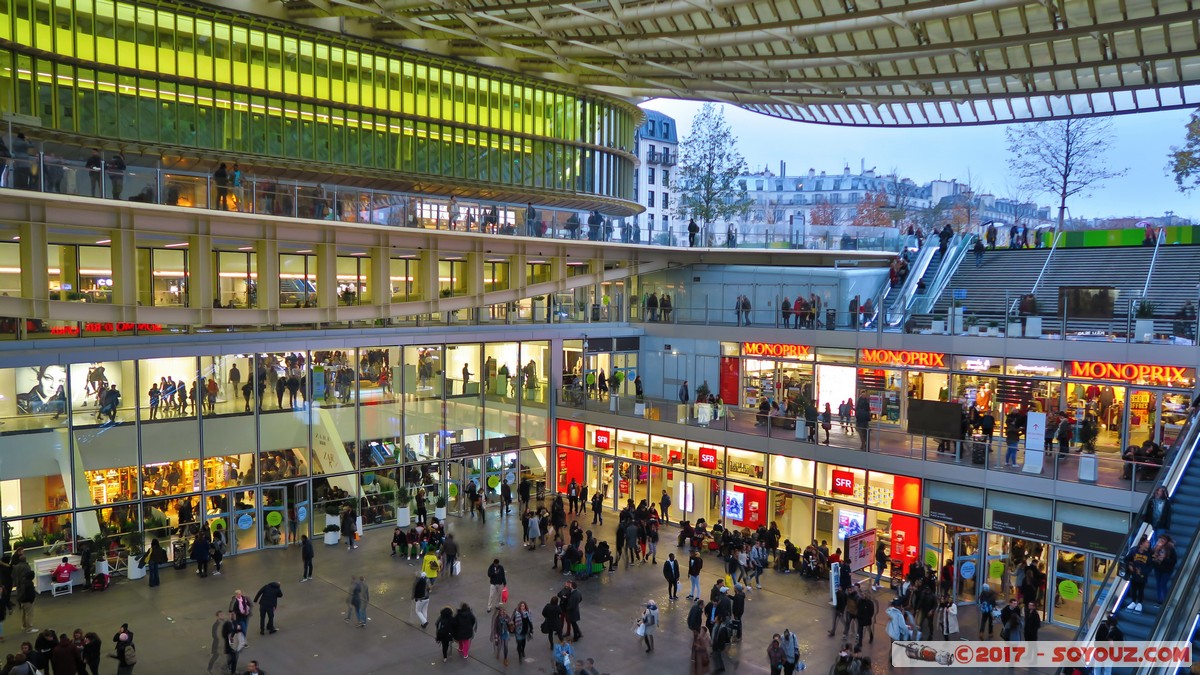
(1141, 144)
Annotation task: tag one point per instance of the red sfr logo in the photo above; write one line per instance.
(843, 482)
(708, 458)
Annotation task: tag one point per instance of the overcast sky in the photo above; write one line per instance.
(1141, 145)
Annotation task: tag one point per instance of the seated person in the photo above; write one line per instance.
(604, 555)
(571, 556)
(686, 532)
(62, 573)
(399, 541)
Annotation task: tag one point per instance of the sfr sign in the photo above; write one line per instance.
(843, 483)
(708, 458)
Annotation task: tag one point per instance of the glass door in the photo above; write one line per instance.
(934, 546)
(967, 570)
(274, 516)
(244, 530)
(299, 510)
(1069, 588)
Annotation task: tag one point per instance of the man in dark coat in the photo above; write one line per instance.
(268, 599)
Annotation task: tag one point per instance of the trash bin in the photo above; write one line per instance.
(830, 319)
(595, 311)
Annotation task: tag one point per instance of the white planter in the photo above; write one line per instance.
(403, 516)
(439, 512)
(1014, 329)
(133, 573)
(938, 328)
(956, 320)
(639, 409)
(1033, 326)
(1143, 330)
(993, 331)
(614, 403)
(1088, 469)
(332, 538)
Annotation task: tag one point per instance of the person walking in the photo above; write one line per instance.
(695, 564)
(649, 624)
(1033, 622)
(692, 229)
(306, 555)
(235, 642)
(268, 599)
(431, 567)
(349, 523)
(450, 553)
(721, 637)
(791, 651)
(775, 655)
(125, 654)
(522, 628)
(357, 600)
(421, 599)
(501, 630)
(464, 629)
(239, 610)
(987, 609)
(443, 631)
(571, 611)
(496, 583)
(671, 574)
(552, 620)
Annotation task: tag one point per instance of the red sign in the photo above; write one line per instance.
(892, 357)
(1131, 372)
(843, 482)
(776, 350)
(603, 439)
(107, 327)
(708, 458)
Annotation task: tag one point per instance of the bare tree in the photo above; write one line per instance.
(1062, 157)
(1185, 160)
(709, 166)
(900, 192)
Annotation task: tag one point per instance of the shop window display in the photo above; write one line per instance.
(747, 466)
(37, 476)
(115, 535)
(166, 517)
(332, 493)
(793, 515)
(228, 471)
(535, 366)
(380, 491)
(282, 465)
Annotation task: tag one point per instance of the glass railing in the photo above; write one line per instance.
(1102, 468)
(1123, 324)
(265, 195)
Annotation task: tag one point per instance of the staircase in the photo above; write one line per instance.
(1003, 270)
(1173, 280)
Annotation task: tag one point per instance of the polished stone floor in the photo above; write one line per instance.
(173, 622)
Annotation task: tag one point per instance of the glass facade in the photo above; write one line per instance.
(262, 442)
(157, 72)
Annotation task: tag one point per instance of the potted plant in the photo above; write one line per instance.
(333, 535)
(333, 515)
(403, 510)
(439, 508)
(993, 329)
(134, 542)
(1143, 327)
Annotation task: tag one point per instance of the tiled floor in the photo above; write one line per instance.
(173, 622)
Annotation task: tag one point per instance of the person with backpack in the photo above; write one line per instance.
(444, 631)
(649, 625)
(791, 651)
(126, 654)
(987, 608)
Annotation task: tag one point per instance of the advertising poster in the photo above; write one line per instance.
(850, 523)
(860, 550)
(41, 390)
(88, 380)
(735, 505)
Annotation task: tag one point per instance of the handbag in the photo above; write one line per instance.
(504, 594)
(640, 631)
(457, 568)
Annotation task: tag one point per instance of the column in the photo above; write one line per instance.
(266, 253)
(425, 285)
(202, 277)
(326, 275)
(380, 281)
(35, 280)
(122, 254)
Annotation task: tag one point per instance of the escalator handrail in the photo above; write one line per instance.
(908, 289)
(1175, 464)
(954, 256)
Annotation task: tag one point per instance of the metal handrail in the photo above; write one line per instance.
(1158, 240)
(1175, 463)
(955, 252)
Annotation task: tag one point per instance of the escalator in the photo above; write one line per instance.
(1175, 618)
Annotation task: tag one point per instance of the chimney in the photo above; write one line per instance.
(782, 168)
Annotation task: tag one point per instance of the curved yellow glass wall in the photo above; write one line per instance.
(267, 442)
(157, 72)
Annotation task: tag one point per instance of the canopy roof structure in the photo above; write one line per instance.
(845, 62)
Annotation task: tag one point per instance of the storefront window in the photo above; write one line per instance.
(535, 367)
(236, 285)
(80, 273)
(747, 466)
(706, 458)
(353, 279)
(162, 277)
(501, 362)
(297, 280)
(841, 482)
(403, 274)
(745, 506)
(380, 411)
(10, 269)
(598, 439)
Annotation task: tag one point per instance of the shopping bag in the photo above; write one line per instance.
(640, 631)
(729, 582)
(504, 594)
(457, 568)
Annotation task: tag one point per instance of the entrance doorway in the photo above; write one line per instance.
(966, 560)
(285, 511)
(236, 512)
